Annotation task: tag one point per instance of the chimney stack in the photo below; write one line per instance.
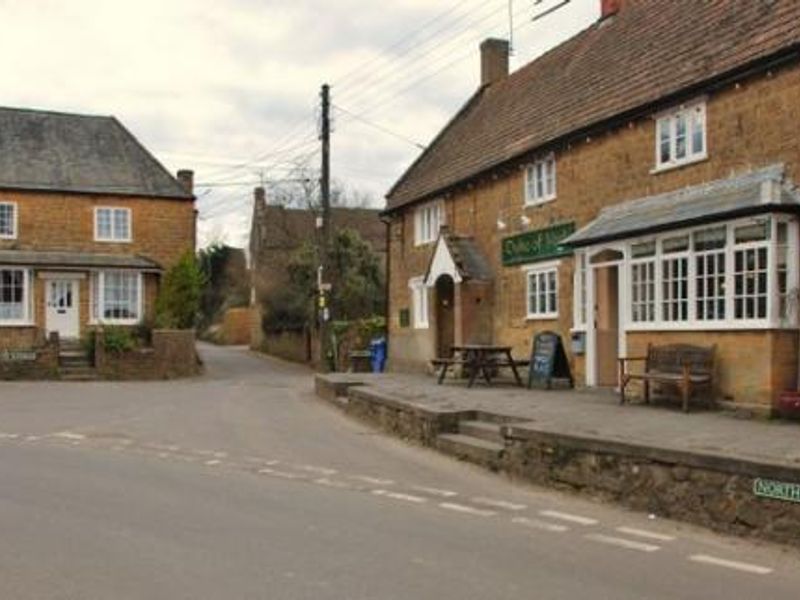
(186, 179)
(608, 8)
(260, 195)
(494, 61)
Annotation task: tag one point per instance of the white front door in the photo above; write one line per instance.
(62, 307)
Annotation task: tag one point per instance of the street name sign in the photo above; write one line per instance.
(777, 490)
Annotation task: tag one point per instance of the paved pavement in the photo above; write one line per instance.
(240, 484)
(592, 413)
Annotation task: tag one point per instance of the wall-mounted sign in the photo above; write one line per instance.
(540, 244)
(18, 356)
(777, 490)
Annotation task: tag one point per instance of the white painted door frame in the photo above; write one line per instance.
(62, 306)
(622, 303)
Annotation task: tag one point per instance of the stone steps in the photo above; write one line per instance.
(483, 430)
(472, 449)
(78, 374)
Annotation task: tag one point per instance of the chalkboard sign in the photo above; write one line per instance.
(548, 361)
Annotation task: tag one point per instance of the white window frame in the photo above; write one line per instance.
(114, 237)
(580, 296)
(419, 303)
(537, 271)
(773, 319)
(536, 171)
(97, 299)
(14, 221)
(27, 298)
(428, 220)
(669, 119)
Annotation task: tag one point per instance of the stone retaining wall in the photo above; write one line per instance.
(172, 355)
(31, 363)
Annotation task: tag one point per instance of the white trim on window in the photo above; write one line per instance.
(4, 233)
(580, 293)
(116, 232)
(99, 305)
(541, 290)
(428, 219)
(419, 303)
(540, 181)
(681, 136)
(26, 302)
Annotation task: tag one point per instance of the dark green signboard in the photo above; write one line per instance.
(537, 245)
(777, 490)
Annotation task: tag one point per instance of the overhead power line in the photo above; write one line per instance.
(379, 127)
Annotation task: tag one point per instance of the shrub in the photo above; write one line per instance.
(118, 339)
(178, 299)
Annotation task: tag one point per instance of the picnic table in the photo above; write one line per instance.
(480, 359)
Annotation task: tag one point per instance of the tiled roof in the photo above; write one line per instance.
(755, 192)
(83, 260)
(650, 50)
(63, 152)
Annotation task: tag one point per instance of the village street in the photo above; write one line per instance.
(241, 484)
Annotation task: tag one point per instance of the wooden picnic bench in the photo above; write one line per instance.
(684, 366)
(480, 359)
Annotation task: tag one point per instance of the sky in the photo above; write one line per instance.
(230, 88)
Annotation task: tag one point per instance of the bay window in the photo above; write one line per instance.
(117, 297)
(643, 282)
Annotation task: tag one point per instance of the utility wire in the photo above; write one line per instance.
(379, 127)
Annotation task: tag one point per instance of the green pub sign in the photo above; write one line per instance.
(777, 490)
(532, 246)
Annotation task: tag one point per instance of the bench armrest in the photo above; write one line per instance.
(624, 359)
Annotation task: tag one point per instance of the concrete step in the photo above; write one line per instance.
(77, 373)
(472, 449)
(482, 430)
(80, 360)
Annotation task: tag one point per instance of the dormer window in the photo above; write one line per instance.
(681, 136)
(540, 181)
(8, 221)
(112, 224)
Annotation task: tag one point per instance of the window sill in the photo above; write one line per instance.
(536, 203)
(709, 326)
(542, 317)
(7, 238)
(678, 165)
(421, 244)
(17, 324)
(104, 241)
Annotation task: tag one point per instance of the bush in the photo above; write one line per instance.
(178, 301)
(118, 339)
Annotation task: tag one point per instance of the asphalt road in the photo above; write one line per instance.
(242, 485)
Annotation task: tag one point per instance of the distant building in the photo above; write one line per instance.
(277, 232)
(633, 185)
(89, 221)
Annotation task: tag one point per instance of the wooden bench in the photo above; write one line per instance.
(444, 364)
(684, 366)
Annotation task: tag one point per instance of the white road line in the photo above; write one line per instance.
(643, 533)
(32, 438)
(9, 436)
(212, 463)
(163, 455)
(554, 514)
(434, 491)
(372, 480)
(282, 474)
(622, 542)
(69, 435)
(333, 484)
(398, 496)
(320, 470)
(536, 524)
(730, 564)
(499, 503)
(220, 454)
(467, 510)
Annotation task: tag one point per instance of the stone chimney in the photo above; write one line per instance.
(494, 61)
(260, 195)
(608, 8)
(186, 179)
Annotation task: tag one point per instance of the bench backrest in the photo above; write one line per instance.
(670, 358)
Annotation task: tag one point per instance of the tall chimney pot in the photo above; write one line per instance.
(494, 61)
(608, 8)
(186, 179)
(260, 195)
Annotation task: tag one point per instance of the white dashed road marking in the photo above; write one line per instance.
(434, 491)
(69, 435)
(499, 504)
(281, 474)
(536, 524)
(212, 463)
(554, 514)
(332, 484)
(9, 436)
(398, 496)
(623, 543)
(320, 470)
(643, 533)
(730, 564)
(372, 480)
(467, 510)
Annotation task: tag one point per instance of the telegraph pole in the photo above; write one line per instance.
(325, 197)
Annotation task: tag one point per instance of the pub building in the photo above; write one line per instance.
(634, 185)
